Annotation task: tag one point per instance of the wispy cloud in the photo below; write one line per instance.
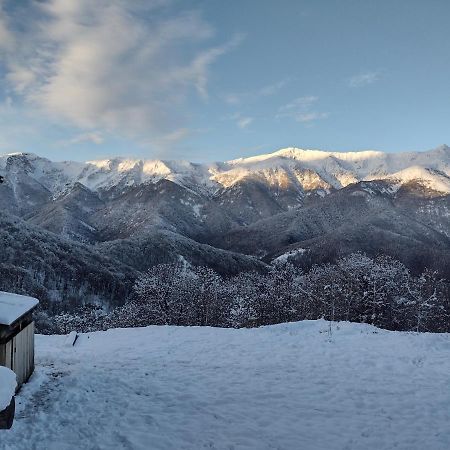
(311, 117)
(175, 136)
(364, 79)
(272, 89)
(109, 65)
(300, 103)
(169, 145)
(232, 99)
(240, 120)
(302, 110)
(244, 122)
(236, 98)
(93, 138)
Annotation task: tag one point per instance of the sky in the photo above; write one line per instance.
(206, 80)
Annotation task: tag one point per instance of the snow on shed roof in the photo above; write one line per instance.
(14, 306)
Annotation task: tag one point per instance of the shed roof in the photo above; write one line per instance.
(14, 306)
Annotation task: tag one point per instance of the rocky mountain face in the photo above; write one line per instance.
(120, 216)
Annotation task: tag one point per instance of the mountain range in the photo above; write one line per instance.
(104, 222)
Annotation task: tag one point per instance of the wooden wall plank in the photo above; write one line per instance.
(19, 354)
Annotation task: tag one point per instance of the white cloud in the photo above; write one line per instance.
(244, 122)
(93, 137)
(166, 143)
(272, 89)
(232, 99)
(299, 104)
(240, 120)
(265, 91)
(174, 136)
(110, 65)
(364, 79)
(310, 117)
(302, 110)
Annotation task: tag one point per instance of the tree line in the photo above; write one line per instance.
(379, 291)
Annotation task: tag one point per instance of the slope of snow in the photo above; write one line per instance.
(285, 256)
(337, 169)
(52, 175)
(342, 168)
(7, 388)
(289, 386)
(430, 178)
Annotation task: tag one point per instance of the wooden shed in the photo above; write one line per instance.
(17, 334)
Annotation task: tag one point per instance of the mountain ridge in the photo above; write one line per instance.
(333, 169)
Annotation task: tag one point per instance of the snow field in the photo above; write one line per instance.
(289, 386)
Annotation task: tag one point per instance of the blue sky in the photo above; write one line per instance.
(212, 80)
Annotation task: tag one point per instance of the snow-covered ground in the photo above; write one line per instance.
(290, 386)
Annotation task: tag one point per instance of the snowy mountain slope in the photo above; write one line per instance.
(116, 174)
(308, 169)
(340, 169)
(66, 274)
(52, 176)
(57, 270)
(161, 205)
(162, 247)
(70, 214)
(431, 211)
(367, 216)
(286, 386)
(197, 200)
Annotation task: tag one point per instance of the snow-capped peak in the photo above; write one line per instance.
(336, 169)
(339, 169)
